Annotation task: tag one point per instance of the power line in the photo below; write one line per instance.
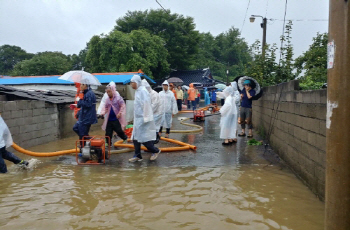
(245, 17)
(273, 117)
(161, 5)
(300, 20)
(267, 6)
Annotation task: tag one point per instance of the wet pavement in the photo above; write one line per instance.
(215, 187)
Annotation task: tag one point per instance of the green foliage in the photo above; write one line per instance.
(177, 31)
(227, 51)
(267, 70)
(10, 56)
(254, 142)
(313, 64)
(128, 52)
(45, 63)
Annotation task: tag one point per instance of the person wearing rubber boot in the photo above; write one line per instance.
(246, 109)
(157, 115)
(168, 108)
(144, 130)
(5, 142)
(114, 115)
(87, 114)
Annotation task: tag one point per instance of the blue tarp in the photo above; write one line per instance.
(104, 79)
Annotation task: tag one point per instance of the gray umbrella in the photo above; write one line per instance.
(175, 81)
(255, 84)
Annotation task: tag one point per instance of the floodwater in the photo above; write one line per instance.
(217, 187)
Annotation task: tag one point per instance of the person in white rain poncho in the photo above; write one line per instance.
(168, 108)
(144, 130)
(228, 122)
(157, 115)
(6, 141)
(236, 94)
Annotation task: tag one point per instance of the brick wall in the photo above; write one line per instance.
(299, 130)
(31, 122)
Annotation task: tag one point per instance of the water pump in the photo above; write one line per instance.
(93, 150)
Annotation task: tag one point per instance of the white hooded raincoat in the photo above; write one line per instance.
(144, 129)
(228, 122)
(168, 106)
(157, 115)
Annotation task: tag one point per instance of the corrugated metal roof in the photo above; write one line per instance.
(103, 78)
(56, 97)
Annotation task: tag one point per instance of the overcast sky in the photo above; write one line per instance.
(67, 25)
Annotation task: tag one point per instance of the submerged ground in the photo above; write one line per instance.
(216, 187)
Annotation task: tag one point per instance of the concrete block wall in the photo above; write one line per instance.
(31, 122)
(298, 132)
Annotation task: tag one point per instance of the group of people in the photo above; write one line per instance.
(152, 112)
(237, 109)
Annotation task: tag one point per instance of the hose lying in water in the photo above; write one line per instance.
(184, 146)
(199, 128)
(58, 153)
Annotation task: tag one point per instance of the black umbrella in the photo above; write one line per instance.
(254, 84)
(175, 81)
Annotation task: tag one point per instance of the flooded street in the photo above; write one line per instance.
(217, 187)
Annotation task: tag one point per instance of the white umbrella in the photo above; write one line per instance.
(81, 77)
(220, 86)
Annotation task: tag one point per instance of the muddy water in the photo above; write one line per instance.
(226, 188)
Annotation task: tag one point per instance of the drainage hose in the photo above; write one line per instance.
(184, 146)
(58, 153)
(199, 128)
(128, 147)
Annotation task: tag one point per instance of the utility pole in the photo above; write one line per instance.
(264, 27)
(338, 124)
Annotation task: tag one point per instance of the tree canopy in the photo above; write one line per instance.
(178, 32)
(10, 56)
(45, 63)
(128, 52)
(311, 66)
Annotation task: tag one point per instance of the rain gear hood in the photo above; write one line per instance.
(117, 104)
(236, 94)
(228, 122)
(104, 99)
(157, 115)
(206, 97)
(144, 129)
(168, 106)
(191, 93)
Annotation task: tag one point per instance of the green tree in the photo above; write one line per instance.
(122, 52)
(45, 63)
(177, 31)
(285, 70)
(227, 51)
(10, 56)
(267, 70)
(263, 70)
(311, 66)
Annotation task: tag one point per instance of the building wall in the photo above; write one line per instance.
(31, 122)
(36, 122)
(299, 129)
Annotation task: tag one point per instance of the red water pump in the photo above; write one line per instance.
(198, 115)
(93, 150)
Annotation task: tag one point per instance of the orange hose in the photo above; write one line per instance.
(36, 154)
(179, 142)
(184, 146)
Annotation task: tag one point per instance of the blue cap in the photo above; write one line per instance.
(246, 82)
